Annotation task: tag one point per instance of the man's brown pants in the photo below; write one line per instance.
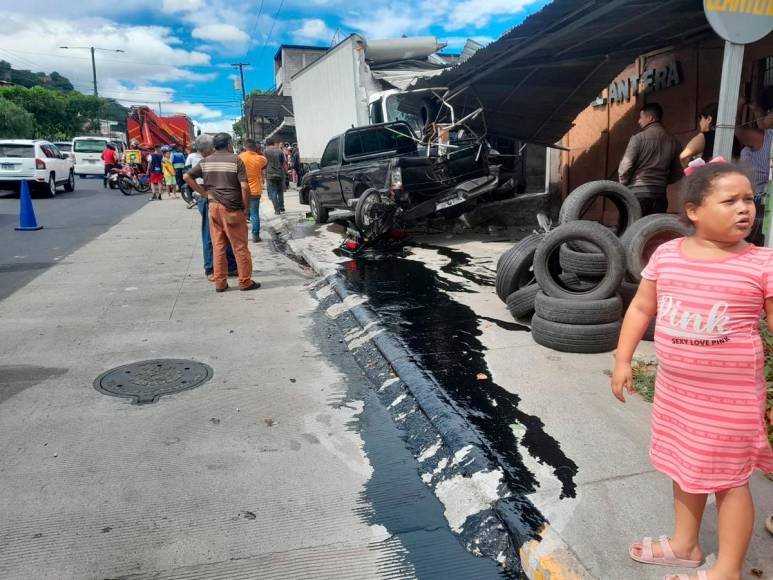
(225, 226)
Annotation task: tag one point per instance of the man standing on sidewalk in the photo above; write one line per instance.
(651, 161)
(178, 163)
(228, 194)
(254, 162)
(205, 149)
(276, 172)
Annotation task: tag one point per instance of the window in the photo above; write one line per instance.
(330, 156)
(14, 150)
(397, 138)
(90, 146)
(395, 114)
(65, 147)
(376, 114)
(49, 151)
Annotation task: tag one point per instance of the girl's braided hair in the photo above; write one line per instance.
(696, 186)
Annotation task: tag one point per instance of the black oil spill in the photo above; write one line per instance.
(462, 264)
(413, 303)
(420, 544)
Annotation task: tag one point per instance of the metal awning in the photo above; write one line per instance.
(536, 79)
(270, 106)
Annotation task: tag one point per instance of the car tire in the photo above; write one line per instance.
(578, 311)
(521, 302)
(579, 338)
(577, 202)
(320, 213)
(51, 189)
(69, 186)
(514, 267)
(585, 264)
(642, 239)
(592, 233)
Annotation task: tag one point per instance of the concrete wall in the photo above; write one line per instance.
(598, 140)
(292, 62)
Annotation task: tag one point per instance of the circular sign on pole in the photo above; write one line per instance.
(740, 21)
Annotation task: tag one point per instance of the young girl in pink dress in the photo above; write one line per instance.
(709, 431)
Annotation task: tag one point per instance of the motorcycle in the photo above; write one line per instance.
(129, 180)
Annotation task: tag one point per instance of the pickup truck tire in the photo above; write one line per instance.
(69, 185)
(364, 218)
(583, 197)
(589, 265)
(581, 338)
(578, 312)
(592, 233)
(320, 213)
(514, 268)
(642, 239)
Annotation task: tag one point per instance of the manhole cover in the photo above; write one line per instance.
(148, 380)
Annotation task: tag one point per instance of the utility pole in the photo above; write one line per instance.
(240, 66)
(93, 61)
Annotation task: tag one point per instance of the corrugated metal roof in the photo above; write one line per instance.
(540, 75)
(271, 106)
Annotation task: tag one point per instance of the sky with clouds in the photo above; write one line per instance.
(179, 52)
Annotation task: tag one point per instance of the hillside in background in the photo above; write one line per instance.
(27, 78)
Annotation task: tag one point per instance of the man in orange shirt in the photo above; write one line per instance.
(254, 162)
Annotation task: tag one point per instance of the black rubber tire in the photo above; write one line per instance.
(521, 302)
(69, 187)
(578, 311)
(514, 267)
(51, 186)
(649, 334)
(360, 219)
(642, 238)
(320, 213)
(591, 232)
(581, 338)
(589, 265)
(581, 198)
(627, 291)
(125, 185)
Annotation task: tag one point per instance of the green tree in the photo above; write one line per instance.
(238, 130)
(15, 122)
(49, 108)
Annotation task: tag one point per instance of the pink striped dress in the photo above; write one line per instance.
(708, 420)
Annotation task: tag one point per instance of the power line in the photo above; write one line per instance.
(270, 33)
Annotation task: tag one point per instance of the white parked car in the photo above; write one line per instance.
(87, 155)
(37, 161)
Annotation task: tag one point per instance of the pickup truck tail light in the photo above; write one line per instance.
(40, 164)
(396, 179)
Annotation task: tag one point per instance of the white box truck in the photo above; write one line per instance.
(339, 91)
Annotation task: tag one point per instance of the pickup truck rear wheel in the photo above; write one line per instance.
(320, 213)
(373, 213)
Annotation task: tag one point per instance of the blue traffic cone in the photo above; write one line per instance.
(27, 221)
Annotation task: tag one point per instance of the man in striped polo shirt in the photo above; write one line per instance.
(228, 195)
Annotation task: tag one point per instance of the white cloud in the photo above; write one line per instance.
(172, 6)
(222, 126)
(223, 33)
(478, 13)
(313, 30)
(196, 110)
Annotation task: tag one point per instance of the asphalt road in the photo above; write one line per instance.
(69, 220)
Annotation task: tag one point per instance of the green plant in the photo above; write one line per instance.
(767, 343)
(644, 378)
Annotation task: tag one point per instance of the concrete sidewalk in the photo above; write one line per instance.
(259, 473)
(619, 496)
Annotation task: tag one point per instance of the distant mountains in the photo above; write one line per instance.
(27, 78)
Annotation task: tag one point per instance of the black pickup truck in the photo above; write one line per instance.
(384, 172)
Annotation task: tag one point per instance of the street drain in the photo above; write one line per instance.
(146, 381)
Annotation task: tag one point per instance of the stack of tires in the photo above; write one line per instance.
(578, 279)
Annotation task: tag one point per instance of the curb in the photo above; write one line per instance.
(544, 557)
